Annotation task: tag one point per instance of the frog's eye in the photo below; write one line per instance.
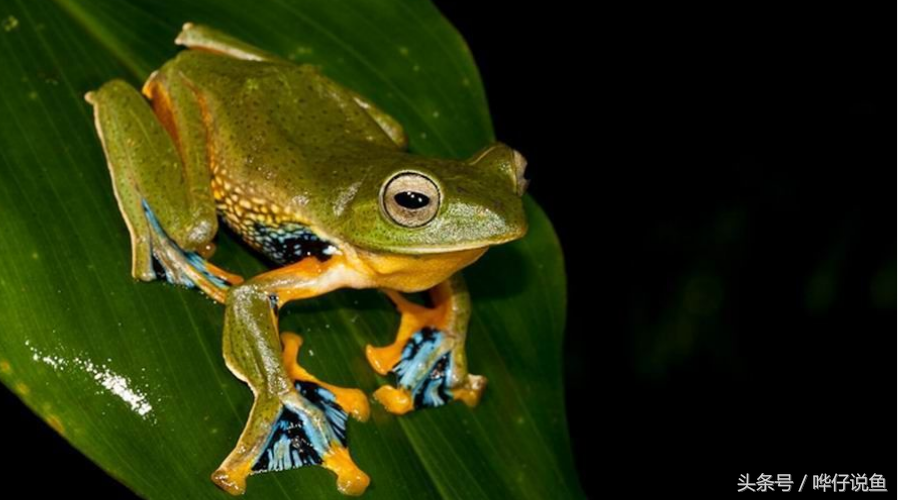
(410, 199)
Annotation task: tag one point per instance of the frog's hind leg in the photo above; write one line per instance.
(297, 420)
(167, 203)
(200, 37)
(428, 356)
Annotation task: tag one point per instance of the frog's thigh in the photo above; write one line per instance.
(428, 356)
(149, 178)
(179, 111)
(296, 420)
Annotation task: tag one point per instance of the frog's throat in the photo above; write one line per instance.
(410, 273)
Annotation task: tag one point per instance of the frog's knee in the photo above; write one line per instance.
(246, 294)
(200, 233)
(115, 92)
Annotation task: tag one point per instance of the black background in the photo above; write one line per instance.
(723, 180)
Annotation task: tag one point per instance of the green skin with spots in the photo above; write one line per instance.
(230, 115)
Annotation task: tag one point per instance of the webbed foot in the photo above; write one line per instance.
(424, 374)
(428, 356)
(307, 426)
(183, 267)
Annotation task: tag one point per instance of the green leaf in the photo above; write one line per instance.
(132, 373)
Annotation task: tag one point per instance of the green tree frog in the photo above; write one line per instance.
(318, 179)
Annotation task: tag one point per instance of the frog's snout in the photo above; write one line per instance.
(505, 161)
(519, 162)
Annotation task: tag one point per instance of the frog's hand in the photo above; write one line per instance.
(297, 420)
(428, 357)
(147, 171)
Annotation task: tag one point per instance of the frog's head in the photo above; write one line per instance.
(420, 205)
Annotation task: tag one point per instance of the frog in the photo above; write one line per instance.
(320, 181)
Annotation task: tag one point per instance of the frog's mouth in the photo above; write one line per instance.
(463, 246)
(467, 246)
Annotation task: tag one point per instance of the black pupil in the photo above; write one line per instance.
(411, 200)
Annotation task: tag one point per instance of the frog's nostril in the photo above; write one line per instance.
(520, 164)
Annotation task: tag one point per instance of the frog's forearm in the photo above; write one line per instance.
(251, 344)
(428, 356)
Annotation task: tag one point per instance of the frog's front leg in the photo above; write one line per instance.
(428, 356)
(296, 419)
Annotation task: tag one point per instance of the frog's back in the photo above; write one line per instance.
(282, 139)
(254, 98)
